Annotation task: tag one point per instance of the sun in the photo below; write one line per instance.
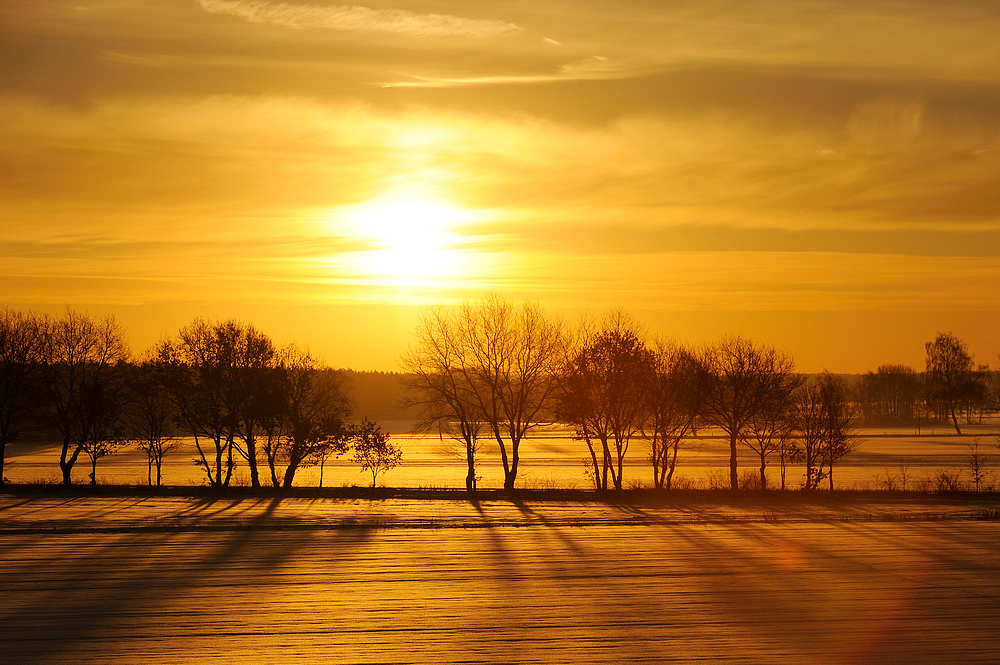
(411, 238)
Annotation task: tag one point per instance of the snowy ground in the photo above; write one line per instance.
(264, 580)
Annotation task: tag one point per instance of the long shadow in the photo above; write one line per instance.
(82, 591)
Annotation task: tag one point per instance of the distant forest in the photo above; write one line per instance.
(377, 395)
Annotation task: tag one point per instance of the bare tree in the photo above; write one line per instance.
(373, 450)
(979, 465)
(505, 362)
(949, 366)
(149, 418)
(743, 376)
(675, 399)
(771, 424)
(824, 419)
(840, 438)
(811, 425)
(605, 394)
(83, 363)
(315, 412)
(252, 365)
(197, 368)
(20, 354)
(437, 383)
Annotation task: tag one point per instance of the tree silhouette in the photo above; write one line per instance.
(149, 417)
(771, 423)
(675, 400)
(83, 365)
(373, 451)
(314, 409)
(949, 366)
(498, 369)
(743, 377)
(20, 354)
(605, 394)
(439, 386)
(214, 373)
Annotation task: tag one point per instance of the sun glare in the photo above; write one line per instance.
(412, 239)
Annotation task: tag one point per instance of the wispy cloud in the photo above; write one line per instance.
(594, 68)
(359, 19)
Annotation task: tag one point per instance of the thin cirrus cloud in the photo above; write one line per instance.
(594, 68)
(353, 18)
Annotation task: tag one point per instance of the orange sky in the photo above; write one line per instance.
(823, 176)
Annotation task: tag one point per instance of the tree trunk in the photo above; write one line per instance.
(470, 458)
(289, 476)
(595, 467)
(734, 481)
(93, 470)
(3, 452)
(954, 420)
(831, 476)
(509, 478)
(159, 471)
(67, 464)
(672, 463)
(229, 464)
(763, 476)
(252, 461)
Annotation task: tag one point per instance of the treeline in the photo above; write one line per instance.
(225, 384)
(493, 370)
(490, 371)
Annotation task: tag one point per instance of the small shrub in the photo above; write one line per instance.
(886, 480)
(946, 482)
(682, 483)
(717, 479)
(749, 480)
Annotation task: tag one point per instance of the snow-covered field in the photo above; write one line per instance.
(548, 459)
(267, 580)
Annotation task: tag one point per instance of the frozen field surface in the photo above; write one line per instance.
(264, 580)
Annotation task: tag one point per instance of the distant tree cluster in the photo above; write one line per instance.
(952, 388)
(224, 384)
(496, 370)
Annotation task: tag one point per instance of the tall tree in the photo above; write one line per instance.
(315, 411)
(949, 366)
(824, 419)
(438, 385)
(213, 372)
(675, 402)
(20, 354)
(253, 363)
(771, 424)
(83, 363)
(811, 425)
(149, 418)
(605, 392)
(505, 363)
(743, 376)
(840, 438)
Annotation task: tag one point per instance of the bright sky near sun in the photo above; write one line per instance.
(823, 176)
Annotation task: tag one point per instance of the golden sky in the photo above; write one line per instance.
(823, 176)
